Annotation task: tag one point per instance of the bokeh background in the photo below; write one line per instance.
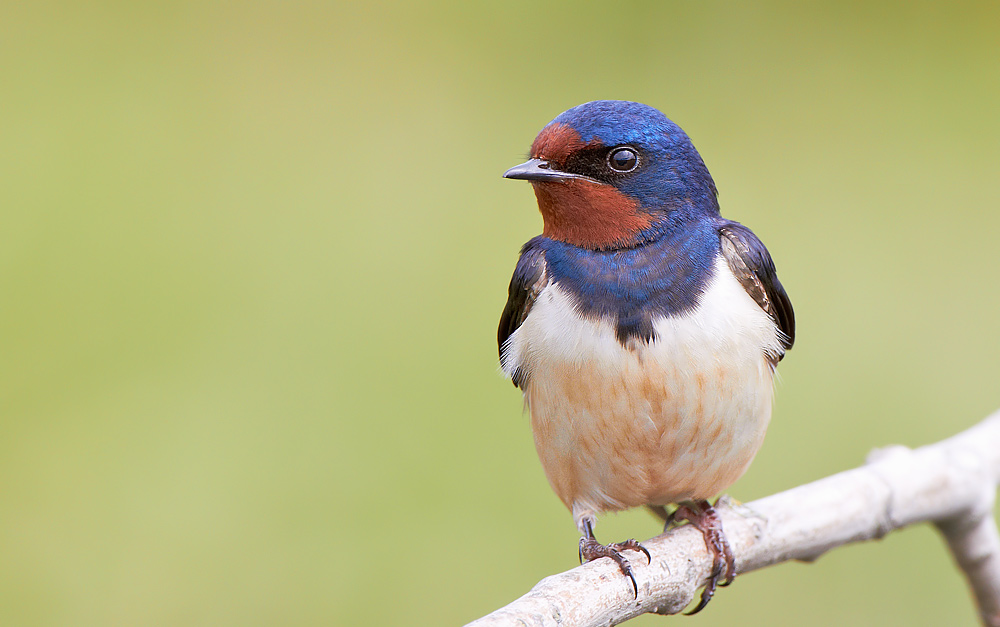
(253, 256)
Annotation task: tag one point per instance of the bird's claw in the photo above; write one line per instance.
(704, 518)
(591, 549)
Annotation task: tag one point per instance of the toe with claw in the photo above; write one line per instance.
(703, 517)
(591, 549)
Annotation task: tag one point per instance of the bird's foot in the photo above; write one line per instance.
(591, 549)
(703, 517)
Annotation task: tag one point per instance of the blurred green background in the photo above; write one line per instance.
(254, 254)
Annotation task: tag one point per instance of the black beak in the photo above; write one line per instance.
(538, 170)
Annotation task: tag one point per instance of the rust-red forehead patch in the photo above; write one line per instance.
(583, 212)
(558, 141)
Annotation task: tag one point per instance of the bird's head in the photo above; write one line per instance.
(612, 174)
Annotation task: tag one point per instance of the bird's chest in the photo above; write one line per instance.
(618, 425)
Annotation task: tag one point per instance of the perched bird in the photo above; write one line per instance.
(642, 327)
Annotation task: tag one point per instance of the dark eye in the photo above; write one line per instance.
(623, 160)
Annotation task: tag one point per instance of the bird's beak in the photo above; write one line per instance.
(538, 170)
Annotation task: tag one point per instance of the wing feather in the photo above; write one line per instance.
(754, 268)
(529, 278)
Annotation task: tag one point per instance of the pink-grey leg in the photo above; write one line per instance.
(703, 517)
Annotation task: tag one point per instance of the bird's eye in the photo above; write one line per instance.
(623, 160)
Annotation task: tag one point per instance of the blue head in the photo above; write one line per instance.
(611, 174)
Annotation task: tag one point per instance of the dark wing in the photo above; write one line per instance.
(752, 265)
(528, 280)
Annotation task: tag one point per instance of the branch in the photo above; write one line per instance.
(951, 484)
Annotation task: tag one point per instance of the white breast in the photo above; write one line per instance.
(675, 419)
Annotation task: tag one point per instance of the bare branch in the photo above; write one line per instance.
(975, 545)
(951, 484)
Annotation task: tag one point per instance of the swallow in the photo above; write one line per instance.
(643, 328)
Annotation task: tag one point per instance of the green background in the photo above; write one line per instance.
(253, 256)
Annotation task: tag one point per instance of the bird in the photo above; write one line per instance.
(643, 329)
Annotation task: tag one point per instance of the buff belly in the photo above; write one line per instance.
(675, 419)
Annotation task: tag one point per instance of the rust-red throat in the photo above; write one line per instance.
(580, 211)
